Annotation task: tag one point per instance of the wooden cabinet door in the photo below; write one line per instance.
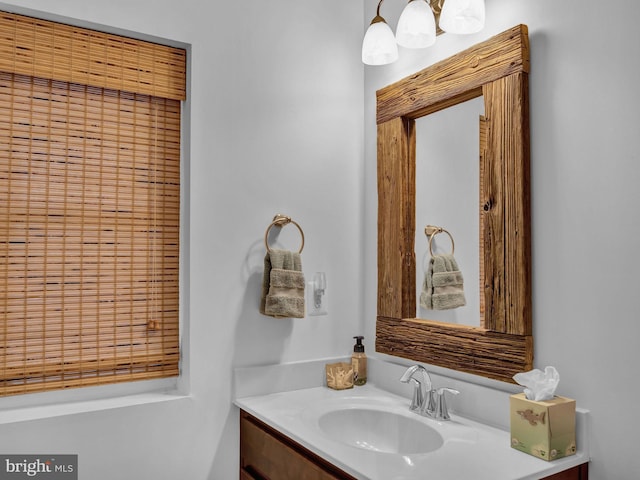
(269, 455)
(581, 472)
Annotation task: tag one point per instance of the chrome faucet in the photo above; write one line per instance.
(425, 400)
(422, 398)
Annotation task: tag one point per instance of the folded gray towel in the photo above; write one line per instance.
(282, 285)
(443, 284)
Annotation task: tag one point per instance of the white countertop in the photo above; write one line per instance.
(488, 457)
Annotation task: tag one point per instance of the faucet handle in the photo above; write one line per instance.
(440, 391)
(442, 412)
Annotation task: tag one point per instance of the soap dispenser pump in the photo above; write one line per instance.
(359, 362)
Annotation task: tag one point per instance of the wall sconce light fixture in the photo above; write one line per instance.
(417, 27)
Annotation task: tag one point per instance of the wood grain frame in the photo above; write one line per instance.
(503, 344)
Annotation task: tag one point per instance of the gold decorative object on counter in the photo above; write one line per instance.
(339, 375)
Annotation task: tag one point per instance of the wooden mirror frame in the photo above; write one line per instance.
(503, 344)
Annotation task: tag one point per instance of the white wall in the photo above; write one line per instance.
(276, 126)
(585, 171)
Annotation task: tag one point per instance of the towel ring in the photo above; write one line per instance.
(280, 221)
(431, 231)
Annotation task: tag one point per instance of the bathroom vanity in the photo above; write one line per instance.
(265, 453)
(309, 434)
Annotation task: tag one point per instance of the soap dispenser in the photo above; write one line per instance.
(359, 362)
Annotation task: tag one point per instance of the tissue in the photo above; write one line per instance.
(539, 385)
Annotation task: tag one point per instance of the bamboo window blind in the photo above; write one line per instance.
(89, 206)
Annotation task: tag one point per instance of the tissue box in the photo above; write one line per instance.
(339, 375)
(545, 429)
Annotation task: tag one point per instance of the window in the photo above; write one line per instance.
(89, 206)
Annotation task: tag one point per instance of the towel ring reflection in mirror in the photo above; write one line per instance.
(431, 231)
(280, 221)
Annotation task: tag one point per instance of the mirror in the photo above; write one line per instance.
(447, 172)
(502, 344)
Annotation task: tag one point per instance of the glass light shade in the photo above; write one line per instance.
(379, 45)
(462, 16)
(416, 26)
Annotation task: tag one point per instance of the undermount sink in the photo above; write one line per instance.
(380, 431)
(378, 423)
